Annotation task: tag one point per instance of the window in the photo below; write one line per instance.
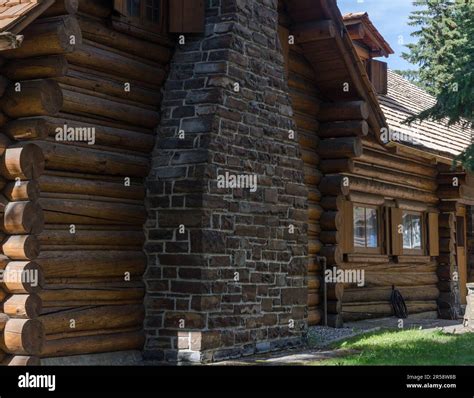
(145, 14)
(152, 10)
(133, 8)
(412, 232)
(366, 229)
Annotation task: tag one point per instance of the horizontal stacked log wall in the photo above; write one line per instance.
(78, 72)
(21, 163)
(305, 103)
(455, 189)
(449, 298)
(379, 177)
(344, 162)
(330, 136)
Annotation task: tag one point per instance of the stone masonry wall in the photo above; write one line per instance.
(227, 266)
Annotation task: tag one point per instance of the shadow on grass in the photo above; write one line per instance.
(407, 347)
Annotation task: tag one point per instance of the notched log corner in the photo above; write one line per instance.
(10, 41)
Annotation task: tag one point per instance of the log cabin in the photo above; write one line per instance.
(117, 119)
(82, 80)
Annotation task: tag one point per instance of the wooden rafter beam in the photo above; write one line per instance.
(356, 31)
(312, 31)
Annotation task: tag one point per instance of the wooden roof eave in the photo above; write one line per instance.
(371, 35)
(304, 12)
(408, 150)
(26, 19)
(357, 70)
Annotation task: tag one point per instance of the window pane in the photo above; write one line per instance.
(407, 231)
(152, 10)
(412, 231)
(359, 227)
(133, 8)
(371, 227)
(416, 231)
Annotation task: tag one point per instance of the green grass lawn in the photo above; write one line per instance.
(407, 347)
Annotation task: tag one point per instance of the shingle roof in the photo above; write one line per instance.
(405, 99)
(14, 12)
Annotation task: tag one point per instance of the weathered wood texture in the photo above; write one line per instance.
(21, 164)
(379, 176)
(306, 102)
(88, 96)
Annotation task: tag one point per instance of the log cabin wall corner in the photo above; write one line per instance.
(226, 265)
(179, 195)
(81, 99)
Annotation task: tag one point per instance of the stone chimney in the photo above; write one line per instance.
(227, 232)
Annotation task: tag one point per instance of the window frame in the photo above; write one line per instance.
(422, 250)
(369, 250)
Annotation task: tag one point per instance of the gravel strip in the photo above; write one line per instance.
(321, 336)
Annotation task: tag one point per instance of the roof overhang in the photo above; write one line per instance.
(303, 12)
(420, 153)
(16, 16)
(362, 30)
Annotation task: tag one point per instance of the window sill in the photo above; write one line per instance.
(367, 258)
(413, 258)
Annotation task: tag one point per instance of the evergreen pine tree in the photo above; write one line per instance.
(444, 53)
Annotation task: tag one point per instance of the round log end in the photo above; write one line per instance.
(364, 110)
(32, 98)
(24, 162)
(20, 360)
(21, 247)
(23, 277)
(27, 129)
(358, 147)
(364, 128)
(22, 190)
(23, 218)
(3, 320)
(24, 336)
(23, 306)
(333, 254)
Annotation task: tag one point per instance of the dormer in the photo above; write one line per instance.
(369, 44)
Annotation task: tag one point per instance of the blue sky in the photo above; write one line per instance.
(390, 17)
